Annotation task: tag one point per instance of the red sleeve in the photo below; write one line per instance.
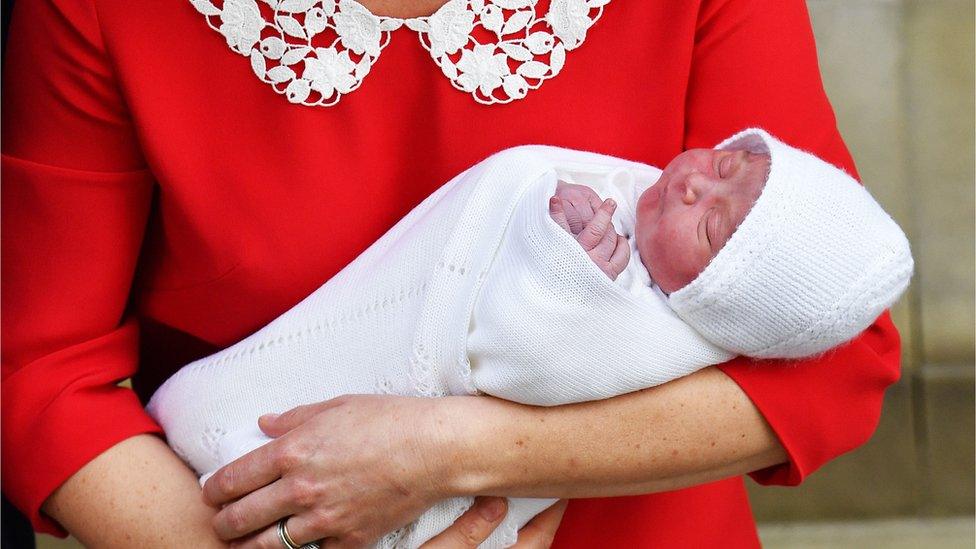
(755, 64)
(75, 200)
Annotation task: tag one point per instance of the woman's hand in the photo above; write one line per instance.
(351, 469)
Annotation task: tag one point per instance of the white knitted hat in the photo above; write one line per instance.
(814, 262)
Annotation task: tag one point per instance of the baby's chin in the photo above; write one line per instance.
(643, 234)
(667, 276)
(668, 283)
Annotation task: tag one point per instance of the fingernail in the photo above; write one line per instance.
(493, 510)
(611, 203)
(269, 417)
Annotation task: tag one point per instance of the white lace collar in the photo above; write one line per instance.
(315, 51)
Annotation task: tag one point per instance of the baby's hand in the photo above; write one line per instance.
(579, 202)
(598, 238)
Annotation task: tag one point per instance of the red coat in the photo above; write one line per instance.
(152, 184)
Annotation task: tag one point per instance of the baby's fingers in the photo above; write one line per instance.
(582, 205)
(586, 202)
(593, 233)
(558, 213)
(573, 217)
(594, 200)
(620, 258)
(602, 252)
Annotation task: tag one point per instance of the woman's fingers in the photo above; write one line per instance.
(257, 509)
(265, 539)
(473, 527)
(267, 463)
(470, 530)
(593, 233)
(304, 527)
(275, 425)
(247, 473)
(268, 538)
(539, 532)
(558, 213)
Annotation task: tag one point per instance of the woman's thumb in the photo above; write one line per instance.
(473, 527)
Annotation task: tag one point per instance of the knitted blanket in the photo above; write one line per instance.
(476, 290)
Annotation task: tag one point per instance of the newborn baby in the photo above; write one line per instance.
(516, 280)
(682, 221)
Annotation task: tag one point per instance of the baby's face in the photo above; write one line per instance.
(685, 218)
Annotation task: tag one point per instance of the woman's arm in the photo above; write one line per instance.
(693, 430)
(136, 494)
(357, 466)
(76, 197)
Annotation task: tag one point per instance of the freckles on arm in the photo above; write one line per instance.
(689, 431)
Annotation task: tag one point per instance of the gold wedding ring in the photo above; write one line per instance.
(284, 537)
(290, 543)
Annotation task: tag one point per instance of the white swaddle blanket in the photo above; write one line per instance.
(476, 290)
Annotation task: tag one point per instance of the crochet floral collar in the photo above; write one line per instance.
(315, 51)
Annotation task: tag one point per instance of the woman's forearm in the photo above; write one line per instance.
(136, 494)
(690, 431)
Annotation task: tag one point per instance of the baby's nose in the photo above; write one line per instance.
(695, 185)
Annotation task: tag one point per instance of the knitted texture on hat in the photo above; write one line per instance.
(814, 262)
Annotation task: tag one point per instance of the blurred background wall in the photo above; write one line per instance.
(900, 76)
